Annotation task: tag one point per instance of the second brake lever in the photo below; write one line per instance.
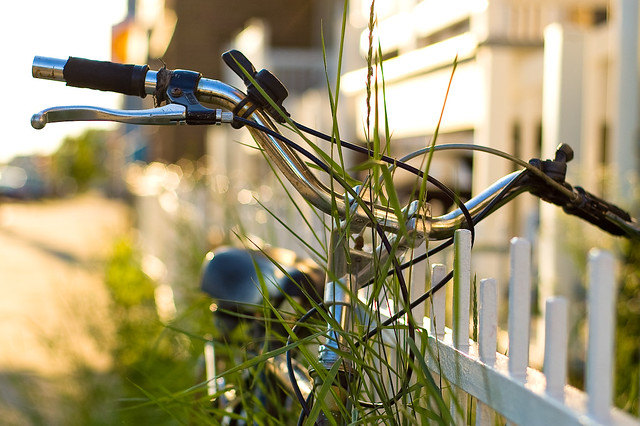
(168, 114)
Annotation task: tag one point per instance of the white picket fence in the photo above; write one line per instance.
(507, 385)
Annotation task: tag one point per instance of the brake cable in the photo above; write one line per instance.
(412, 305)
(396, 266)
(402, 164)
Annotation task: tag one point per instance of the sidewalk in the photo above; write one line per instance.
(53, 305)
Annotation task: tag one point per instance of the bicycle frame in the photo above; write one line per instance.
(349, 267)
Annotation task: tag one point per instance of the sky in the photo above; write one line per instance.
(55, 29)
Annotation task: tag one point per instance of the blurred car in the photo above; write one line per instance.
(18, 182)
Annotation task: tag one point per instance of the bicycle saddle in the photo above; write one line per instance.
(230, 277)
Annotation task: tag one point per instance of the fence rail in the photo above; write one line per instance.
(506, 385)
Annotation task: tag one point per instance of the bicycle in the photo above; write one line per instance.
(334, 385)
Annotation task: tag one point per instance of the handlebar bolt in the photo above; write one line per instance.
(176, 92)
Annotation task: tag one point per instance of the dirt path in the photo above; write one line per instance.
(53, 305)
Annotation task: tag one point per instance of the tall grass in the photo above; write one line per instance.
(382, 375)
(385, 358)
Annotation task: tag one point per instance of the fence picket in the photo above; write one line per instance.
(438, 302)
(506, 385)
(488, 321)
(461, 303)
(487, 338)
(601, 313)
(437, 310)
(461, 289)
(519, 307)
(555, 346)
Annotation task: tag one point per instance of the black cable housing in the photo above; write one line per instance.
(401, 165)
(375, 224)
(397, 268)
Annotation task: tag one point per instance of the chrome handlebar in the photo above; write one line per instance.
(227, 98)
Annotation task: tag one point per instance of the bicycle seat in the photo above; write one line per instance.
(230, 277)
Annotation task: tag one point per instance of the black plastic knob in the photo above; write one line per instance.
(268, 82)
(564, 153)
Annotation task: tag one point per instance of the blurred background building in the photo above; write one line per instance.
(529, 76)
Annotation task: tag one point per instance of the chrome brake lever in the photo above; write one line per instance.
(167, 114)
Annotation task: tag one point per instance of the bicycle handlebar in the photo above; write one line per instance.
(140, 81)
(227, 97)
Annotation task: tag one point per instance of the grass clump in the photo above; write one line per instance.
(154, 362)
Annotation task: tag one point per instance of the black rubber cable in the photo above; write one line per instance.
(400, 165)
(304, 403)
(375, 224)
(470, 221)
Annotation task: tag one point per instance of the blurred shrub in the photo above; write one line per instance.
(156, 362)
(80, 161)
(627, 379)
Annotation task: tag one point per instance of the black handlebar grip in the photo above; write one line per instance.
(107, 76)
(594, 209)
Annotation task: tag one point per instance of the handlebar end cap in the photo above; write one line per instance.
(38, 120)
